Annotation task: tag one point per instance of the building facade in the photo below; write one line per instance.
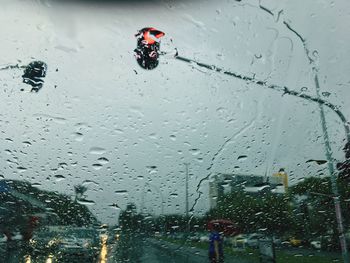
(254, 184)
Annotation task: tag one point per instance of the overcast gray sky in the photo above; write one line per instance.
(98, 104)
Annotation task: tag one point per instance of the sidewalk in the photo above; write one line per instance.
(193, 251)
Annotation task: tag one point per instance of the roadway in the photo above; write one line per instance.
(133, 249)
(130, 249)
(149, 250)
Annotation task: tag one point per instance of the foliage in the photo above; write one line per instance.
(270, 213)
(69, 212)
(306, 212)
(317, 206)
(130, 220)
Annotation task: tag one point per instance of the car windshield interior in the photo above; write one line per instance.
(186, 131)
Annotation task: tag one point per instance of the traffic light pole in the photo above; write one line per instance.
(321, 104)
(284, 90)
(332, 172)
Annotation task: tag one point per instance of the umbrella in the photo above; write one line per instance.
(227, 227)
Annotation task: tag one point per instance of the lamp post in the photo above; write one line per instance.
(187, 202)
(151, 186)
(186, 189)
(321, 103)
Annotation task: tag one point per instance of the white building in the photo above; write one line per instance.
(255, 184)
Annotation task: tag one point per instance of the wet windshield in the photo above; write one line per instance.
(174, 131)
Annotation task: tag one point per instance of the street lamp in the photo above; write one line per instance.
(186, 188)
(187, 202)
(158, 191)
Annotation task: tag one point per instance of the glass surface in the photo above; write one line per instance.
(167, 131)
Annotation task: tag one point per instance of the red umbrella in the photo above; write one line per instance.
(227, 227)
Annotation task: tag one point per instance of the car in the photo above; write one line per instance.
(180, 236)
(253, 240)
(157, 234)
(45, 240)
(316, 244)
(195, 237)
(204, 238)
(295, 242)
(3, 238)
(79, 242)
(66, 242)
(239, 241)
(277, 241)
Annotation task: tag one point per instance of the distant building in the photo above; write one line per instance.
(254, 184)
(213, 193)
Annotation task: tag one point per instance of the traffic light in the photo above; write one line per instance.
(34, 73)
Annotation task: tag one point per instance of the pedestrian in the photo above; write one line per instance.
(216, 252)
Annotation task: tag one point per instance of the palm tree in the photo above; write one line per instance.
(79, 191)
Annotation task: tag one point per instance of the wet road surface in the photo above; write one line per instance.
(130, 249)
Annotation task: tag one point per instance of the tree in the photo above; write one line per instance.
(67, 212)
(316, 213)
(130, 220)
(317, 206)
(252, 213)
